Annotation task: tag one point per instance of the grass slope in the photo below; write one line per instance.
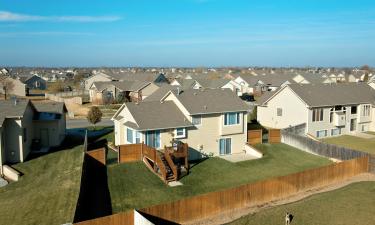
(353, 204)
(48, 191)
(132, 185)
(361, 144)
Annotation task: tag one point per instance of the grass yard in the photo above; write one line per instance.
(362, 144)
(134, 186)
(353, 204)
(48, 191)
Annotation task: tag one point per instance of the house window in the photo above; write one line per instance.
(317, 115)
(231, 118)
(225, 146)
(331, 116)
(335, 132)
(279, 112)
(180, 133)
(129, 135)
(353, 110)
(366, 110)
(153, 138)
(24, 133)
(321, 133)
(197, 120)
(137, 137)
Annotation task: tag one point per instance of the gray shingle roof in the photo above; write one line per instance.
(122, 85)
(156, 115)
(9, 109)
(211, 101)
(315, 95)
(160, 93)
(50, 107)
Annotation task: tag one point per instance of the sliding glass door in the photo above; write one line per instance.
(225, 146)
(153, 138)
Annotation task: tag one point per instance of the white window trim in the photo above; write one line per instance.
(127, 141)
(197, 125)
(231, 145)
(135, 137)
(236, 124)
(326, 131)
(180, 136)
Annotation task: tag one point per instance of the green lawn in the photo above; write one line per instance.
(353, 204)
(362, 144)
(48, 191)
(132, 185)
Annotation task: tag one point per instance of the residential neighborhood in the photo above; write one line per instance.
(187, 112)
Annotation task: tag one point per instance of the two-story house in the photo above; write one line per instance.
(326, 109)
(26, 126)
(210, 121)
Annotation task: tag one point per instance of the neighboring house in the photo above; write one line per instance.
(96, 78)
(210, 121)
(112, 91)
(145, 77)
(326, 109)
(27, 126)
(34, 82)
(15, 86)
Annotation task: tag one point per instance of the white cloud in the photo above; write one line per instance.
(6, 16)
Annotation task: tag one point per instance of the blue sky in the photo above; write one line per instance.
(187, 33)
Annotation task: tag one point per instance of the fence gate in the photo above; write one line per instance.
(254, 137)
(274, 136)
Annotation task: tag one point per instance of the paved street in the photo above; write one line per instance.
(78, 123)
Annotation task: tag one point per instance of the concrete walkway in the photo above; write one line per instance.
(239, 157)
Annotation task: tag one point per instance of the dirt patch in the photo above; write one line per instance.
(232, 215)
(78, 110)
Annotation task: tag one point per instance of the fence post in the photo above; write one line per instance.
(118, 154)
(142, 151)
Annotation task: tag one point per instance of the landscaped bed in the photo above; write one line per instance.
(48, 191)
(353, 204)
(132, 185)
(353, 142)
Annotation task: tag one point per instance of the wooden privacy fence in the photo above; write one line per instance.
(98, 154)
(214, 203)
(254, 137)
(211, 204)
(274, 136)
(130, 153)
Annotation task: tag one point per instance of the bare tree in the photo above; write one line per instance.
(7, 86)
(94, 116)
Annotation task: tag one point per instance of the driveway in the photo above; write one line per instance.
(81, 123)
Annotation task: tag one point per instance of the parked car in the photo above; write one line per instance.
(247, 98)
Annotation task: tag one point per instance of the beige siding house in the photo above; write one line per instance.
(27, 126)
(326, 109)
(210, 121)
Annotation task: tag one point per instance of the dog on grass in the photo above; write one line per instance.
(288, 218)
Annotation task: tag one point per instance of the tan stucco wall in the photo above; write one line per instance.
(148, 90)
(294, 110)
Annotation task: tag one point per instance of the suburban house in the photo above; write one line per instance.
(26, 126)
(145, 77)
(326, 109)
(96, 78)
(111, 91)
(210, 121)
(33, 82)
(12, 86)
